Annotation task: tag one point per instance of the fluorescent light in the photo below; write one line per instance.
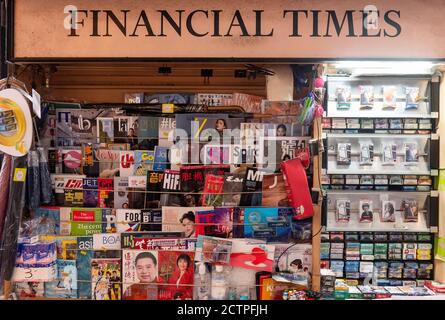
(385, 67)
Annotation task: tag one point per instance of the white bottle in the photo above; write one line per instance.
(202, 283)
(219, 284)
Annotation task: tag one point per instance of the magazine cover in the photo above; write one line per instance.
(274, 150)
(90, 193)
(274, 191)
(181, 219)
(140, 274)
(173, 97)
(136, 191)
(365, 209)
(252, 188)
(296, 259)
(137, 97)
(66, 284)
(270, 224)
(143, 162)
(170, 185)
(72, 161)
(213, 189)
(176, 270)
(49, 219)
(83, 122)
(105, 130)
(254, 256)
(125, 130)
(90, 161)
(154, 187)
(126, 164)
(83, 264)
(212, 99)
(388, 211)
(343, 210)
(213, 250)
(410, 210)
(121, 200)
(232, 188)
(109, 161)
(192, 179)
(185, 122)
(106, 279)
(48, 132)
(73, 192)
(249, 103)
(133, 239)
(161, 161)
(167, 127)
(31, 289)
(138, 220)
(412, 98)
(66, 248)
(64, 129)
(148, 132)
(106, 192)
(215, 223)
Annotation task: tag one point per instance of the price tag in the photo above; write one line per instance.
(168, 108)
(19, 175)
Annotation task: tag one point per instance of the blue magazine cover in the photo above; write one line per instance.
(90, 193)
(84, 256)
(49, 220)
(143, 161)
(269, 224)
(66, 284)
(161, 158)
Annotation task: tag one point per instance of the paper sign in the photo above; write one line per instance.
(19, 175)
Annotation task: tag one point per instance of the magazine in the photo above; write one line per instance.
(181, 219)
(106, 279)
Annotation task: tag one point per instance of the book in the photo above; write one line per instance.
(154, 187)
(181, 219)
(213, 189)
(143, 162)
(215, 223)
(106, 192)
(73, 192)
(366, 97)
(171, 185)
(176, 271)
(90, 193)
(343, 97)
(343, 210)
(126, 164)
(83, 264)
(121, 200)
(106, 279)
(138, 285)
(232, 188)
(274, 191)
(71, 161)
(252, 188)
(270, 224)
(344, 153)
(66, 284)
(366, 153)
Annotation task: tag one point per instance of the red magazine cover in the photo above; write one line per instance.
(176, 272)
(106, 192)
(213, 189)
